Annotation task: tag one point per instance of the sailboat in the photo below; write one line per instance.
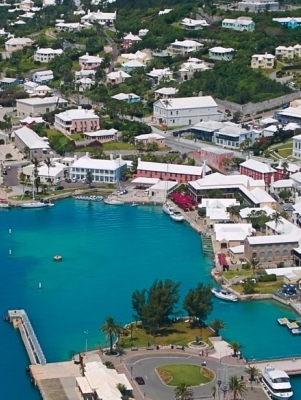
(35, 203)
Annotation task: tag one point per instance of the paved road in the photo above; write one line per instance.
(11, 179)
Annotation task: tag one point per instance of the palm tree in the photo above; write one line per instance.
(111, 329)
(89, 178)
(26, 151)
(48, 165)
(254, 264)
(36, 179)
(236, 347)
(237, 386)
(285, 168)
(277, 218)
(217, 325)
(252, 371)
(183, 392)
(234, 211)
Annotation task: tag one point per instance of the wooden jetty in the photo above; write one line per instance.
(20, 321)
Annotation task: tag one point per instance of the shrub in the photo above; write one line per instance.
(267, 278)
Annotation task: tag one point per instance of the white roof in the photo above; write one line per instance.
(149, 136)
(91, 59)
(257, 166)
(40, 101)
(282, 183)
(133, 64)
(43, 73)
(217, 214)
(187, 43)
(167, 91)
(291, 112)
(284, 227)
(74, 25)
(134, 56)
(165, 11)
(187, 102)
(291, 126)
(108, 392)
(21, 41)
(42, 88)
(118, 74)
(283, 271)
(217, 179)
(164, 185)
(49, 50)
(245, 212)
(155, 73)
(268, 121)
(132, 37)
(90, 365)
(209, 125)
(171, 168)
(101, 132)
(220, 49)
(263, 56)
(262, 196)
(194, 22)
(218, 203)
(232, 232)
(272, 239)
(30, 120)
(296, 177)
(125, 96)
(146, 181)
(31, 139)
(93, 163)
(83, 385)
(237, 249)
(71, 115)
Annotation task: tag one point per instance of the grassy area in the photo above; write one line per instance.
(76, 136)
(285, 152)
(262, 287)
(233, 274)
(56, 139)
(76, 66)
(191, 375)
(118, 146)
(179, 333)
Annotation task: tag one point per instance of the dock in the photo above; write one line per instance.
(20, 321)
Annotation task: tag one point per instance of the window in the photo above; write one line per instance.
(262, 254)
(269, 254)
(277, 253)
(284, 253)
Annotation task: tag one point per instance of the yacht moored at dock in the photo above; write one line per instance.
(113, 202)
(277, 383)
(177, 216)
(224, 294)
(168, 209)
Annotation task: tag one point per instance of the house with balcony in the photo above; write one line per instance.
(288, 52)
(156, 75)
(85, 73)
(151, 138)
(117, 77)
(84, 84)
(289, 22)
(102, 135)
(89, 62)
(185, 111)
(184, 47)
(106, 19)
(69, 26)
(258, 5)
(129, 98)
(132, 65)
(194, 24)
(47, 54)
(107, 171)
(232, 137)
(15, 44)
(165, 93)
(79, 120)
(42, 77)
(129, 40)
(263, 61)
(239, 24)
(221, 53)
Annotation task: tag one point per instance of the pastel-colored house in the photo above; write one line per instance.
(151, 138)
(263, 61)
(129, 40)
(184, 47)
(165, 93)
(288, 52)
(289, 22)
(194, 24)
(89, 62)
(47, 54)
(78, 120)
(102, 135)
(129, 98)
(132, 65)
(42, 77)
(14, 44)
(117, 77)
(221, 53)
(239, 24)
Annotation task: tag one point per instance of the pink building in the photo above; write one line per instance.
(117, 77)
(151, 138)
(90, 62)
(79, 120)
(213, 157)
(103, 135)
(129, 40)
(171, 172)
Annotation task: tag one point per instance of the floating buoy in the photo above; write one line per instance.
(9, 231)
(40, 285)
(9, 252)
(57, 258)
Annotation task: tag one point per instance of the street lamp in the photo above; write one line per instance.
(131, 372)
(86, 333)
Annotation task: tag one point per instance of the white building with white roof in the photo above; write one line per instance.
(194, 24)
(43, 76)
(102, 18)
(263, 61)
(151, 138)
(288, 51)
(69, 26)
(102, 135)
(258, 5)
(230, 235)
(232, 137)
(165, 11)
(221, 53)
(247, 211)
(117, 77)
(52, 174)
(185, 111)
(127, 97)
(290, 114)
(239, 24)
(297, 146)
(27, 138)
(47, 54)
(166, 92)
(143, 32)
(157, 74)
(36, 106)
(184, 47)
(107, 171)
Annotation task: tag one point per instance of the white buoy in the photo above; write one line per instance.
(40, 285)
(9, 231)
(9, 252)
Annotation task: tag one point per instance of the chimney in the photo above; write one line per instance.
(79, 107)
(75, 158)
(120, 156)
(111, 157)
(139, 160)
(87, 154)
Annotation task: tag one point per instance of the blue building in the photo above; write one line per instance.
(289, 22)
(239, 24)
(129, 66)
(130, 98)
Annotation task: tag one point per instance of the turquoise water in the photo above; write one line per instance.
(107, 253)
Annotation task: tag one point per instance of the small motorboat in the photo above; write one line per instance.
(224, 294)
(113, 202)
(57, 258)
(168, 209)
(134, 204)
(4, 203)
(177, 216)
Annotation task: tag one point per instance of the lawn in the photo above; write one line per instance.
(179, 333)
(76, 136)
(233, 274)
(191, 375)
(285, 152)
(262, 287)
(117, 146)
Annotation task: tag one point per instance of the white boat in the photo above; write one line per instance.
(134, 204)
(168, 209)
(177, 216)
(113, 202)
(224, 294)
(36, 204)
(277, 383)
(4, 204)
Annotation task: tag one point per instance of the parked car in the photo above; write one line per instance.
(59, 188)
(68, 180)
(74, 180)
(139, 380)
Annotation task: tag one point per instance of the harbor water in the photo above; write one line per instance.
(107, 252)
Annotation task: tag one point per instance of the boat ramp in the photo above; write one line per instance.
(207, 246)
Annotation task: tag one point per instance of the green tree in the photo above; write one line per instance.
(36, 178)
(122, 388)
(155, 305)
(237, 386)
(48, 165)
(198, 302)
(253, 372)
(235, 347)
(8, 156)
(215, 194)
(277, 218)
(285, 194)
(183, 392)
(111, 330)
(217, 325)
(89, 178)
(249, 286)
(26, 151)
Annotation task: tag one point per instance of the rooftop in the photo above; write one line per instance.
(187, 102)
(220, 49)
(101, 132)
(49, 50)
(232, 232)
(272, 239)
(78, 113)
(167, 91)
(149, 136)
(31, 139)
(262, 196)
(94, 163)
(187, 43)
(125, 96)
(132, 37)
(257, 166)
(171, 168)
(40, 101)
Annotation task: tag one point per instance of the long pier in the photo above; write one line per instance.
(20, 321)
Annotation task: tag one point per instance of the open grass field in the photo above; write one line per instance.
(191, 375)
(179, 333)
(118, 146)
(262, 287)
